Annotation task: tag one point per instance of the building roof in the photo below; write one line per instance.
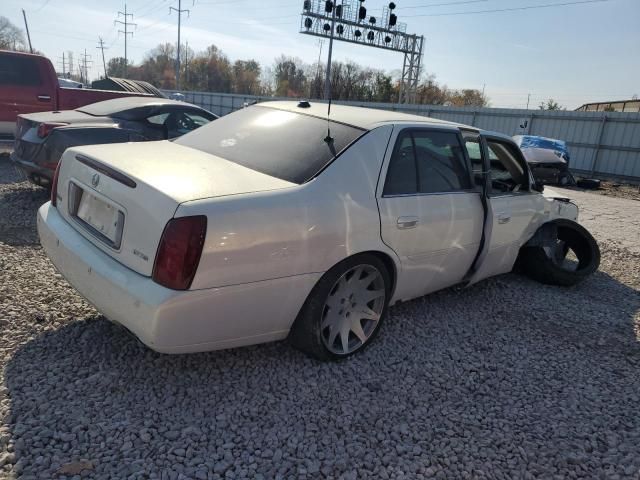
(365, 118)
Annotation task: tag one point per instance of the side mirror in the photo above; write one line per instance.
(538, 186)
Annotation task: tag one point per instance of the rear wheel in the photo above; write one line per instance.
(344, 311)
(568, 255)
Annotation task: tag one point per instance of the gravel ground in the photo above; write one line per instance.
(615, 189)
(506, 379)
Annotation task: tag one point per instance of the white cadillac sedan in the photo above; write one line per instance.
(275, 222)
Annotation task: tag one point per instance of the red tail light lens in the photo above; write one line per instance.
(44, 129)
(54, 186)
(179, 252)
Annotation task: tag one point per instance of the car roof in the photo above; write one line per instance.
(116, 105)
(360, 117)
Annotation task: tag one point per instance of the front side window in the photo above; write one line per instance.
(427, 161)
(508, 173)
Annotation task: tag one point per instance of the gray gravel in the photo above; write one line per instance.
(507, 379)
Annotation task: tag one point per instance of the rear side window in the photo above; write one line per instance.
(427, 161)
(19, 71)
(286, 145)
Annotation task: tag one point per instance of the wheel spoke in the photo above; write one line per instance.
(364, 312)
(331, 319)
(344, 337)
(356, 328)
(333, 333)
(368, 295)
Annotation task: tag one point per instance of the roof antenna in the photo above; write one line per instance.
(328, 138)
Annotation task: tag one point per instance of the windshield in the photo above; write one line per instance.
(286, 145)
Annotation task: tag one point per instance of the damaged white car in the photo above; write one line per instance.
(277, 221)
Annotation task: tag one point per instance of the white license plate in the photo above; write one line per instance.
(100, 215)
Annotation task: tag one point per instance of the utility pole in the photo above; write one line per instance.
(70, 62)
(102, 47)
(327, 80)
(186, 62)
(26, 26)
(317, 79)
(126, 32)
(85, 68)
(64, 66)
(179, 10)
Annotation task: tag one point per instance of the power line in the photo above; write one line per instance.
(126, 32)
(513, 9)
(429, 5)
(46, 2)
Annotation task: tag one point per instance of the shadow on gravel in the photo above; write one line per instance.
(500, 379)
(8, 173)
(18, 209)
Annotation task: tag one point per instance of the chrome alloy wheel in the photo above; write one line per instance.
(353, 309)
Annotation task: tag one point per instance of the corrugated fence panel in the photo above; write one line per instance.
(605, 143)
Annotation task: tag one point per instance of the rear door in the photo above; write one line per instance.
(430, 213)
(514, 208)
(25, 87)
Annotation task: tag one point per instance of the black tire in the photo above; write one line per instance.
(588, 183)
(306, 332)
(534, 262)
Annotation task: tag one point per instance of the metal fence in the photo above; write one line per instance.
(602, 144)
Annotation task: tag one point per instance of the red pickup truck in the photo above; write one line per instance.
(29, 84)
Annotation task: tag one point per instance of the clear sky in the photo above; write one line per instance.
(574, 53)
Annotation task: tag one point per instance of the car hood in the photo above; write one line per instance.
(541, 155)
(179, 172)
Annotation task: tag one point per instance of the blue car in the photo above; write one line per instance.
(548, 158)
(559, 147)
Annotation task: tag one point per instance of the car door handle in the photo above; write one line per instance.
(407, 222)
(44, 98)
(503, 218)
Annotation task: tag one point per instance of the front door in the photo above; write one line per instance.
(430, 212)
(514, 207)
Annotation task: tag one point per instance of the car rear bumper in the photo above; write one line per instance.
(31, 169)
(166, 320)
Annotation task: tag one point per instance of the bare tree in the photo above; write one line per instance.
(11, 37)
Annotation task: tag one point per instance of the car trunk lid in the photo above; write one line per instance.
(27, 143)
(120, 197)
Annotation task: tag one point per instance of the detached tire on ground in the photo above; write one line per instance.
(345, 309)
(589, 183)
(544, 257)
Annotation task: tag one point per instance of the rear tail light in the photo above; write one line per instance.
(44, 129)
(54, 186)
(179, 252)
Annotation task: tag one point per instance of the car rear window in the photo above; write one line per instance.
(22, 71)
(286, 145)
